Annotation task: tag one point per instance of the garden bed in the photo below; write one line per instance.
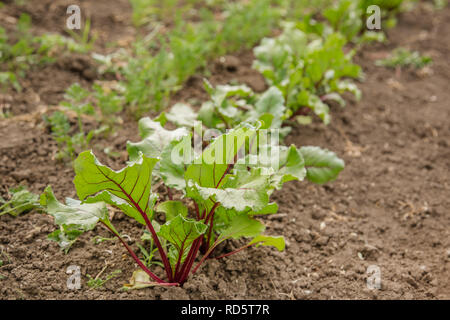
(388, 208)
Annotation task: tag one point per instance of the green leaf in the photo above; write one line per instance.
(128, 189)
(221, 92)
(235, 198)
(343, 86)
(262, 240)
(281, 163)
(155, 139)
(209, 169)
(208, 116)
(270, 103)
(181, 231)
(174, 159)
(172, 208)
(65, 237)
(21, 201)
(271, 208)
(319, 108)
(74, 214)
(242, 226)
(73, 218)
(322, 165)
(182, 115)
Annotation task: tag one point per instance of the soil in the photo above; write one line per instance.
(389, 208)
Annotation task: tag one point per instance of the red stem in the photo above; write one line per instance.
(211, 213)
(189, 262)
(134, 256)
(204, 257)
(180, 255)
(225, 173)
(162, 253)
(208, 241)
(197, 211)
(235, 251)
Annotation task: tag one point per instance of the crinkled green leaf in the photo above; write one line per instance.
(174, 160)
(242, 226)
(322, 165)
(181, 231)
(221, 92)
(270, 103)
(182, 115)
(83, 217)
(281, 164)
(155, 139)
(239, 199)
(73, 218)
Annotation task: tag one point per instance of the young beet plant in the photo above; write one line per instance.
(310, 70)
(224, 187)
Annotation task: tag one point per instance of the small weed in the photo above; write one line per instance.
(402, 57)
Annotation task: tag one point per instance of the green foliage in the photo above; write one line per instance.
(149, 254)
(18, 57)
(83, 40)
(21, 201)
(148, 11)
(52, 44)
(160, 63)
(402, 57)
(60, 127)
(102, 107)
(73, 218)
(69, 143)
(226, 183)
(309, 73)
(345, 17)
(98, 282)
(440, 4)
(231, 105)
(246, 24)
(348, 17)
(229, 188)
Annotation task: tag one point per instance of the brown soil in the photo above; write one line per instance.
(388, 208)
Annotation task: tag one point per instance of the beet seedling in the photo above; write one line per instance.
(227, 185)
(310, 72)
(21, 201)
(402, 57)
